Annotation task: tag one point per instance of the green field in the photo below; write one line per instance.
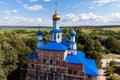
(86, 30)
(27, 29)
(115, 29)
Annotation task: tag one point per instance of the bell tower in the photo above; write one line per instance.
(56, 33)
(40, 41)
(73, 47)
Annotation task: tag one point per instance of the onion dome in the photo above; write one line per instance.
(39, 32)
(56, 17)
(73, 33)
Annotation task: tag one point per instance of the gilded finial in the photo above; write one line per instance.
(56, 16)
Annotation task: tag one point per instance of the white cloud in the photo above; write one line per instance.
(70, 17)
(66, 20)
(9, 12)
(19, 1)
(14, 11)
(91, 19)
(2, 3)
(102, 2)
(46, 0)
(33, 0)
(33, 8)
(20, 21)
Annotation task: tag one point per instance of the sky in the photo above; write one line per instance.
(72, 12)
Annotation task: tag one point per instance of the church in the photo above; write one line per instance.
(59, 59)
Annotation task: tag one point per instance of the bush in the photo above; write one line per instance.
(112, 63)
(117, 69)
(114, 78)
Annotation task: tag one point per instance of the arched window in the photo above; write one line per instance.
(58, 36)
(54, 36)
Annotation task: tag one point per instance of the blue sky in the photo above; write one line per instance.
(72, 12)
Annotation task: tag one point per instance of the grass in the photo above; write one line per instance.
(27, 29)
(116, 29)
(88, 31)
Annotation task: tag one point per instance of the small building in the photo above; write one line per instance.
(59, 59)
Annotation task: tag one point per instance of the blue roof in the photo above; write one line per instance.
(33, 56)
(39, 32)
(89, 64)
(82, 54)
(56, 31)
(90, 67)
(73, 33)
(54, 46)
(65, 41)
(72, 59)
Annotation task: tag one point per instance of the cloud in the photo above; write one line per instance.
(103, 2)
(19, 1)
(33, 0)
(2, 3)
(46, 0)
(70, 17)
(91, 19)
(9, 12)
(33, 8)
(66, 20)
(16, 20)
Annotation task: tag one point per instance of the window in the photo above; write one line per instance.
(71, 53)
(75, 72)
(69, 71)
(58, 36)
(51, 61)
(57, 62)
(54, 36)
(32, 65)
(44, 60)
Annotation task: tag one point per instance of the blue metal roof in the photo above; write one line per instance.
(90, 67)
(33, 56)
(72, 59)
(54, 46)
(39, 32)
(65, 41)
(82, 54)
(73, 33)
(56, 31)
(89, 64)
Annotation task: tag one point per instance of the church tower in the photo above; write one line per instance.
(73, 47)
(56, 33)
(40, 41)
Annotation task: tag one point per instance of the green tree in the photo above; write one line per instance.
(112, 63)
(93, 50)
(109, 70)
(114, 78)
(113, 45)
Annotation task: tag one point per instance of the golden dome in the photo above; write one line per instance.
(56, 17)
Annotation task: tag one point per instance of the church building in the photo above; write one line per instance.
(59, 59)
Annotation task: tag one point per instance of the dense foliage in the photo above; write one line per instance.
(111, 70)
(16, 45)
(13, 50)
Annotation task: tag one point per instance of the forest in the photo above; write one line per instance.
(15, 45)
